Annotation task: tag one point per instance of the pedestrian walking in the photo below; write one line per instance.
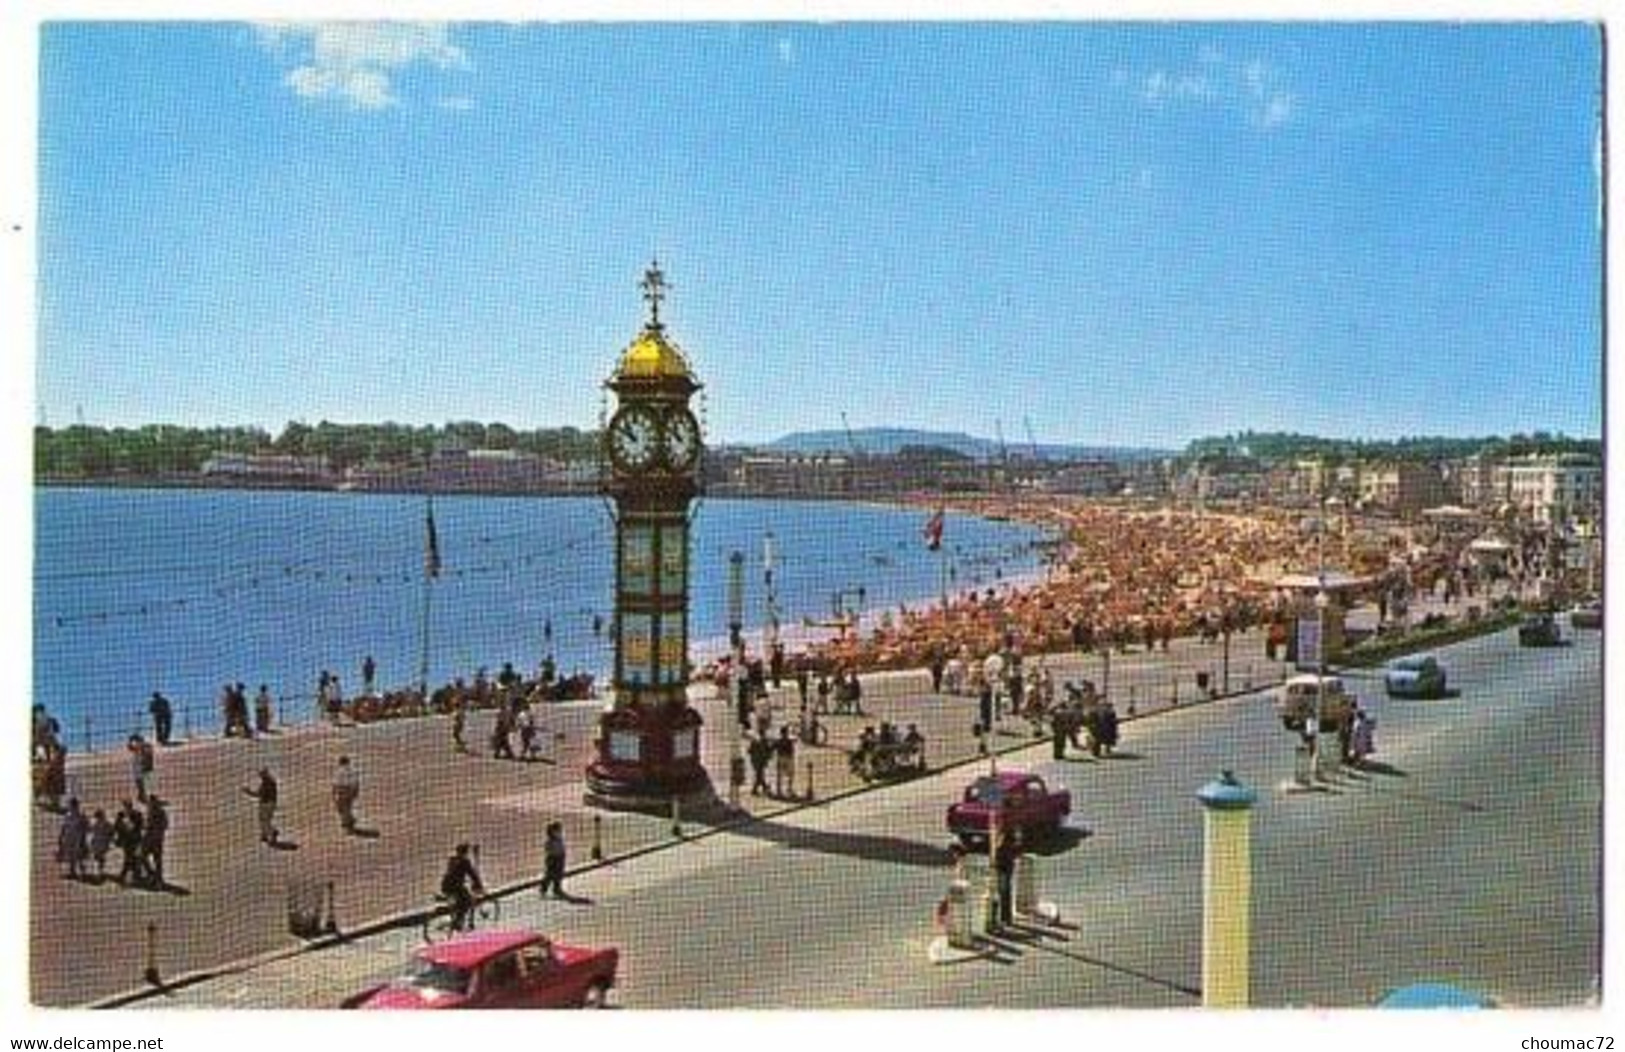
(784, 764)
(142, 762)
(152, 841)
(163, 717)
(71, 842)
(459, 721)
(1004, 865)
(527, 734)
(128, 829)
(761, 750)
(346, 789)
(369, 669)
(553, 861)
(266, 793)
(101, 838)
(854, 693)
(501, 747)
(262, 709)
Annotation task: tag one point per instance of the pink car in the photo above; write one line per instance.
(498, 969)
(1021, 800)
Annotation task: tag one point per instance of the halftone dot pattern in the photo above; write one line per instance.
(1118, 237)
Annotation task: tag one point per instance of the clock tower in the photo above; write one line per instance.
(648, 747)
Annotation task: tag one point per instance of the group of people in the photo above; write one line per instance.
(1084, 711)
(883, 752)
(48, 756)
(1119, 578)
(515, 721)
(462, 886)
(138, 832)
(233, 711)
(765, 750)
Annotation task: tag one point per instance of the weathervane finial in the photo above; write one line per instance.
(654, 290)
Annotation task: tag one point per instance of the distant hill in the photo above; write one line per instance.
(891, 440)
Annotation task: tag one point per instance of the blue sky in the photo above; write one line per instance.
(1130, 234)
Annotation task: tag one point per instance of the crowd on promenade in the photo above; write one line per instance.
(1122, 577)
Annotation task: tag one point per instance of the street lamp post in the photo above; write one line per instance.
(1321, 602)
(772, 594)
(736, 639)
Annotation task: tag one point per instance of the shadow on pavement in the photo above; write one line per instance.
(1057, 843)
(856, 845)
(1133, 973)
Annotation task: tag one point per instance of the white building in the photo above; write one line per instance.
(1555, 489)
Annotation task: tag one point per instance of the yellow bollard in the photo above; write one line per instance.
(151, 973)
(598, 838)
(1227, 893)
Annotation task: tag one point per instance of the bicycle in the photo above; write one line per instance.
(437, 925)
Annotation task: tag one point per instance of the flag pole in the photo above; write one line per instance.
(431, 570)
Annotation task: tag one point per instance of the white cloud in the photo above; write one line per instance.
(459, 103)
(787, 51)
(1161, 87)
(1252, 89)
(1268, 104)
(355, 62)
(1278, 110)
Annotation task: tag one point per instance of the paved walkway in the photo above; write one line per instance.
(228, 896)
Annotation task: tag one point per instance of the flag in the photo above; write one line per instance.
(933, 530)
(431, 549)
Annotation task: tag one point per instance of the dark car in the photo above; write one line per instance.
(1587, 616)
(1416, 676)
(498, 969)
(1021, 801)
(1539, 630)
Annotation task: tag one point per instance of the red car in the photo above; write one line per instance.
(499, 969)
(1021, 800)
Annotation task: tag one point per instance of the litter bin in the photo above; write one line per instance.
(958, 922)
(305, 900)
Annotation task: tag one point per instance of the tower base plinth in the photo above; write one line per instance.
(647, 757)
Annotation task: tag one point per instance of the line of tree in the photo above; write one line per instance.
(163, 449)
(1284, 445)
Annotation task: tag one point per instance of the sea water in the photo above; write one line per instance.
(137, 590)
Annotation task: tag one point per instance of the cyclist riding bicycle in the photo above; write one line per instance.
(461, 883)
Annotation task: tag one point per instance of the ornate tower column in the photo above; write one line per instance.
(648, 748)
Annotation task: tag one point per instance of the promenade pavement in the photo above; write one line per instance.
(228, 894)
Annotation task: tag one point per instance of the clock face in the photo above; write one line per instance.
(633, 436)
(681, 444)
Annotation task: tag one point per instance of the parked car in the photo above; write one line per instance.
(498, 969)
(1416, 676)
(1539, 630)
(1588, 615)
(1022, 801)
(1295, 702)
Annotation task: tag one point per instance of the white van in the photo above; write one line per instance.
(1295, 702)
